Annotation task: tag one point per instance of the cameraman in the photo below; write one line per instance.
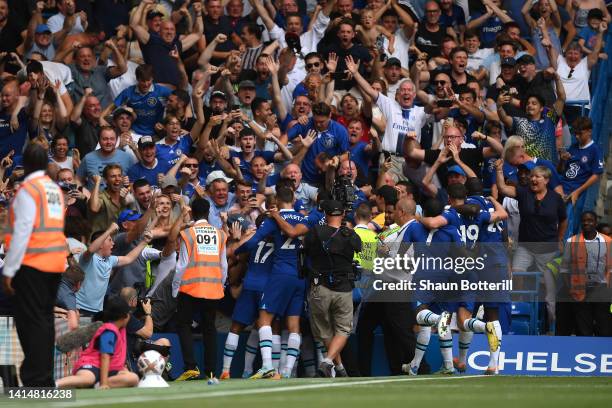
(140, 328)
(331, 248)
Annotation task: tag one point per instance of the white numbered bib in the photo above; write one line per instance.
(54, 201)
(207, 242)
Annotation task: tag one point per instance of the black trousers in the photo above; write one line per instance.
(186, 306)
(35, 295)
(397, 320)
(584, 319)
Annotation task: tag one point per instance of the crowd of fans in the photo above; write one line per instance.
(146, 105)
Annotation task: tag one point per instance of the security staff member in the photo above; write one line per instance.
(331, 248)
(35, 259)
(392, 311)
(201, 272)
(369, 242)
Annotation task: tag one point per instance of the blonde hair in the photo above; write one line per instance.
(511, 144)
(543, 171)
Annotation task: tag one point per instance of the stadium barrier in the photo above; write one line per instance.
(520, 355)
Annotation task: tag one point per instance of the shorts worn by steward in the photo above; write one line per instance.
(331, 313)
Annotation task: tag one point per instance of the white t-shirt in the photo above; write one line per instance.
(309, 41)
(56, 23)
(124, 81)
(401, 47)
(56, 71)
(576, 87)
(397, 125)
(475, 60)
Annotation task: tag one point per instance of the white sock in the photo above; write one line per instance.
(308, 356)
(465, 339)
(293, 351)
(276, 348)
(250, 352)
(231, 343)
(474, 325)
(494, 356)
(422, 342)
(283, 351)
(446, 348)
(427, 318)
(265, 345)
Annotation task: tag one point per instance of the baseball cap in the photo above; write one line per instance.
(216, 175)
(237, 217)
(168, 181)
(217, 94)
(145, 141)
(333, 207)
(508, 62)
(124, 109)
(128, 215)
(393, 62)
(526, 59)
(456, 169)
(246, 84)
(42, 28)
(154, 13)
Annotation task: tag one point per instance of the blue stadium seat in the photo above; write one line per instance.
(520, 327)
(527, 308)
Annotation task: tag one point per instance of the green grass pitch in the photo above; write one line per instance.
(426, 391)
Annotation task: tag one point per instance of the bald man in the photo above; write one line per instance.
(303, 191)
(12, 139)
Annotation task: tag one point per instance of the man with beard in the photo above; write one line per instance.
(143, 195)
(104, 206)
(67, 21)
(393, 74)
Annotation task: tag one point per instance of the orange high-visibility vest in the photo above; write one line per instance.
(47, 249)
(203, 277)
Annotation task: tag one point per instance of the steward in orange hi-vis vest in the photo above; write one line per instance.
(47, 249)
(203, 277)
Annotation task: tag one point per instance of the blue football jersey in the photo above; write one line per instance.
(286, 250)
(469, 228)
(259, 266)
(493, 231)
